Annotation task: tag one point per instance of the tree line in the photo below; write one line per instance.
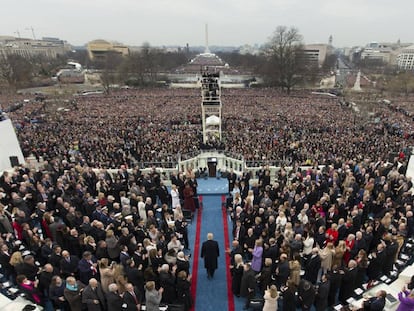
(281, 62)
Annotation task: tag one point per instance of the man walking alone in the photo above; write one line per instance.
(210, 253)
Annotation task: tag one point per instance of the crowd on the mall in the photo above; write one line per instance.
(262, 125)
(73, 237)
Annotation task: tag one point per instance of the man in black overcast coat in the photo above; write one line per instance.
(210, 252)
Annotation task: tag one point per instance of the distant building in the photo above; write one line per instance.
(316, 54)
(377, 51)
(48, 47)
(97, 49)
(384, 52)
(405, 60)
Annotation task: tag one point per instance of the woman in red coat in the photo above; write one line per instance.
(350, 242)
(188, 198)
(332, 234)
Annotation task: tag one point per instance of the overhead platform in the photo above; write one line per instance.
(10, 151)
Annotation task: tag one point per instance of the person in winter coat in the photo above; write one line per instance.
(306, 295)
(94, 297)
(295, 267)
(183, 290)
(210, 252)
(152, 296)
(257, 256)
(289, 297)
(73, 293)
(406, 299)
(321, 299)
(270, 299)
(236, 274)
(248, 284)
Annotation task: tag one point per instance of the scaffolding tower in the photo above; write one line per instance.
(211, 107)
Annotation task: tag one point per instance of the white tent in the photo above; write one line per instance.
(9, 145)
(213, 120)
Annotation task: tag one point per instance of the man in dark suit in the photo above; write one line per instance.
(94, 297)
(359, 244)
(272, 252)
(56, 256)
(248, 285)
(391, 252)
(348, 282)
(210, 252)
(7, 268)
(376, 263)
(236, 249)
(132, 298)
(376, 303)
(312, 266)
(239, 232)
(321, 299)
(342, 230)
(68, 265)
(231, 178)
(28, 268)
(306, 295)
(87, 268)
(282, 271)
(113, 300)
(335, 279)
(124, 255)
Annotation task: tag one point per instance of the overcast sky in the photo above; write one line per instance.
(230, 22)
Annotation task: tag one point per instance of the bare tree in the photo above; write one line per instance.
(402, 83)
(15, 70)
(111, 65)
(283, 52)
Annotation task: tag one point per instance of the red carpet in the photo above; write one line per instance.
(230, 297)
(196, 253)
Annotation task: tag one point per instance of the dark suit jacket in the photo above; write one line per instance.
(283, 274)
(312, 268)
(67, 268)
(88, 296)
(359, 244)
(347, 285)
(210, 252)
(28, 270)
(248, 281)
(130, 300)
(321, 299)
(306, 297)
(123, 258)
(5, 264)
(375, 304)
(376, 265)
(85, 271)
(114, 301)
(289, 300)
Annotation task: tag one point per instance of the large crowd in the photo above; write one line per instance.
(263, 126)
(319, 232)
(73, 237)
